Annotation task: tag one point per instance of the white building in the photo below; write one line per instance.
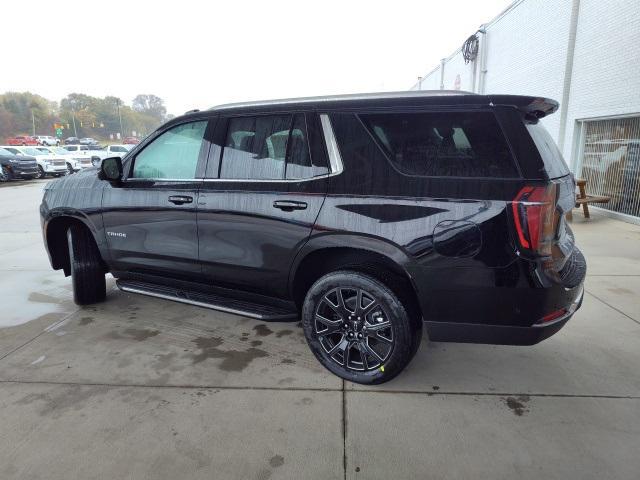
(586, 55)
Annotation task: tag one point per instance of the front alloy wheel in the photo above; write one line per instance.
(40, 173)
(69, 169)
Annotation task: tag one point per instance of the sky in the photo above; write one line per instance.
(197, 54)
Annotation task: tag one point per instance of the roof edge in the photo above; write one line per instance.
(346, 97)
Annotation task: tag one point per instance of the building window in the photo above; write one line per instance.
(609, 161)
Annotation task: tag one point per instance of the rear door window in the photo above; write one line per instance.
(256, 147)
(443, 144)
(299, 163)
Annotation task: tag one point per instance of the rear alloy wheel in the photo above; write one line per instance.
(357, 327)
(40, 173)
(5, 174)
(87, 273)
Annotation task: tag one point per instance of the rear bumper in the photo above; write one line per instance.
(500, 334)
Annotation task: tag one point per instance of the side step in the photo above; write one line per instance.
(209, 300)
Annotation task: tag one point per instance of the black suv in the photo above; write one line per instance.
(367, 216)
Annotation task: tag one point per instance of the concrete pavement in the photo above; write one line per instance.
(144, 388)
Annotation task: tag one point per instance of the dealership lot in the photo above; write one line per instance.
(145, 388)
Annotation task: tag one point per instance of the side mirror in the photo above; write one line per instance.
(111, 169)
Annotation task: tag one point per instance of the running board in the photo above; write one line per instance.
(209, 300)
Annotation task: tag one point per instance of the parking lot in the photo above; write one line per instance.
(145, 388)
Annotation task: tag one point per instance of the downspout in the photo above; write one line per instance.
(568, 72)
(483, 60)
(442, 63)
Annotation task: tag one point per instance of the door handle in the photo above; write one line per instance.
(180, 199)
(289, 205)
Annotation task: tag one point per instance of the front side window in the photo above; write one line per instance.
(445, 144)
(173, 155)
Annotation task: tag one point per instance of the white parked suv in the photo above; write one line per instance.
(111, 151)
(47, 140)
(100, 153)
(75, 160)
(48, 164)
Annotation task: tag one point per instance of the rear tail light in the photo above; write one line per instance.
(533, 215)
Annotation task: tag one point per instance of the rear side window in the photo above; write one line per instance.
(452, 144)
(553, 161)
(256, 147)
(299, 161)
(269, 147)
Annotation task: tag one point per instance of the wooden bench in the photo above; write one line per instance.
(583, 199)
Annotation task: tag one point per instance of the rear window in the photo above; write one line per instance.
(554, 163)
(469, 144)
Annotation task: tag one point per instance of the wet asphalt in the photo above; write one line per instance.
(137, 387)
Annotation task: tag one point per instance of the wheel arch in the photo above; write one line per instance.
(379, 259)
(55, 236)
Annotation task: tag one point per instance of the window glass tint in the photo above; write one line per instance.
(174, 154)
(468, 144)
(554, 163)
(256, 147)
(299, 161)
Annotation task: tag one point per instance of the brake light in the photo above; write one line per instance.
(533, 216)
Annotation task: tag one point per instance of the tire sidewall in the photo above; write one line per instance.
(393, 308)
(72, 261)
(5, 174)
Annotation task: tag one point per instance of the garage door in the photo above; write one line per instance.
(610, 162)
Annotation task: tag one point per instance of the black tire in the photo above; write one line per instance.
(5, 174)
(69, 169)
(369, 344)
(87, 273)
(40, 173)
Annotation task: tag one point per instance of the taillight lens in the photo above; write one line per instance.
(533, 216)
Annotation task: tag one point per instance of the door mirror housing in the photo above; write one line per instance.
(111, 169)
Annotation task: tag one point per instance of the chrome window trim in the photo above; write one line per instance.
(172, 180)
(231, 180)
(335, 160)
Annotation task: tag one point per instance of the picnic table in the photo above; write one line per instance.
(583, 199)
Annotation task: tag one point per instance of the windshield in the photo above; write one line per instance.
(554, 163)
(4, 151)
(44, 150)
(60, 151)
(118, 148)
(32, 151)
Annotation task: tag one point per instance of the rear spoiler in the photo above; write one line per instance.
(533, 108)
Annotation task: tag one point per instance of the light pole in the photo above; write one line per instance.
(73, 117)
(33, 122)
(119, 115)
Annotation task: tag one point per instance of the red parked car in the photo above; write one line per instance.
(130, 141)
(22, 140)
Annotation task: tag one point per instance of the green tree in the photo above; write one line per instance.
(150, 105)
